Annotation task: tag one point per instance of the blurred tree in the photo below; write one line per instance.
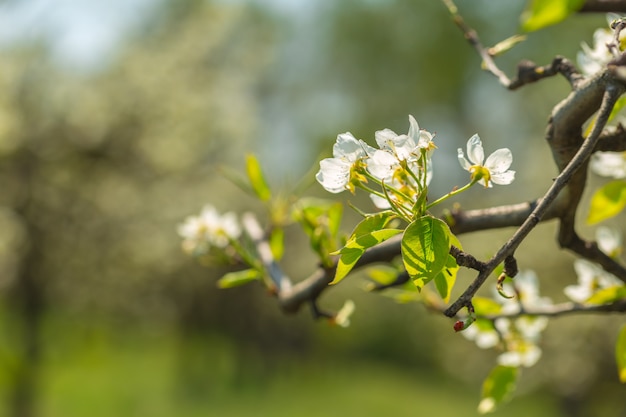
(97, 172)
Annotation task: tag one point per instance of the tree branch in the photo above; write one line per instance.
(603, 6)
(612, 93)
(472, 37)
(562, 309)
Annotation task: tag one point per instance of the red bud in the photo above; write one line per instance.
(458, 326)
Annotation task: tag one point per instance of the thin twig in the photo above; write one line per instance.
(562, 309)
(472, 37)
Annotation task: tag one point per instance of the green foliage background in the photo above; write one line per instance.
(102, 314)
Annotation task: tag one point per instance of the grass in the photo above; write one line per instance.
(102, 373)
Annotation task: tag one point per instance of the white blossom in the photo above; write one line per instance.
(525, 287)
(335, 173)
(609, 241)
(483, 334)
(517, 336)
(208, 229)
(525, 355)
(609, 164)
(494, 171)
(594, 59)
(395, 148)
(591, 278)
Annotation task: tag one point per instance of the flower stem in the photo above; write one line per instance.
(451, 194)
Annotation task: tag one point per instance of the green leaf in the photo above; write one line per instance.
(383, 274)
(320, 221)
(620, 354)
(354, 249)
(506, 45)
(277, 243)
(497, 388)
(607, 201)
(486, 306)
(255, 175)
(608, 295)
(444, 281)
(235, 279)
(425, 249)
(542, 13)
(405, 295)
(372, 222)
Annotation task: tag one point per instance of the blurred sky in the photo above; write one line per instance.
(84, 35)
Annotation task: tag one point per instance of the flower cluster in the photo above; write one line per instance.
(208, 229)
(401, 168)
(517, 337)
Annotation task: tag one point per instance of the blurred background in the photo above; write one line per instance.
(114, 119)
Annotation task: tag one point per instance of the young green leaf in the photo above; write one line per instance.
(486, 306)
(257, 181)
(497, 388)
(235, 279)
(444, 280)
(373, 222)
(383, 274)
(425, 249)
(277, 243)
(607, 201)
(505, 45)
(542, 13)
(608, 295)
(620, 354)
(354, 249)
(320, 221)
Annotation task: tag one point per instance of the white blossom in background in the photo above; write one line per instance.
(518, 337)
(591, 278)
(335, 173)
(609, 241)
(209, 229)
(594, 59)
(525, 287)
(494, 171)
(609, 164)
(483, 334)
(523, 354)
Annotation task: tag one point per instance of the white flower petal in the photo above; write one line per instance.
(504, 178)
(499, 161)
(414, 129)
(348, 147)
(577, 293)
(609, 164)
(381, 164)
(385, 138)
(609, 240)
(465, 164)
(333, 175)
(380, 202)
(475, 151)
